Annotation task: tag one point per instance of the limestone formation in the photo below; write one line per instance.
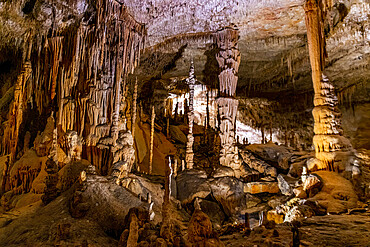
(228, 60)
(189, 145)
(331, 147)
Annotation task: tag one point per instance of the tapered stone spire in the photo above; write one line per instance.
(189, 145)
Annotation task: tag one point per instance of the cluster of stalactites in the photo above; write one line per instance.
(228, 59)
(189, 145)
(80, 69)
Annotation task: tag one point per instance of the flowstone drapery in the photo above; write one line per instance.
(228, 59)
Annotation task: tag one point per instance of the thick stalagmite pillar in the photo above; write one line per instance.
(228, 59)
(332, 150)
(189, 158)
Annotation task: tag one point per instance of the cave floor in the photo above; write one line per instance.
(52, 225)
(329, 230)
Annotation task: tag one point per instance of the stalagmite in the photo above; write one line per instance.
(51, 191)
(167, 225)
(5, 177)
(151, 141)
(228, 59)
(332, 150)
(134, 106)
(189, 145)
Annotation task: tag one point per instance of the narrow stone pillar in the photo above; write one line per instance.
(228, 59)
(167, 226)
(189, 145)
(151, 141)
(332, 149)
(134, 106)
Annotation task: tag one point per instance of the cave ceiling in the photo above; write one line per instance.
(272, 43)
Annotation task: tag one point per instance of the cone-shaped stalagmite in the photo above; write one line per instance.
(331, 148)
(189, 145)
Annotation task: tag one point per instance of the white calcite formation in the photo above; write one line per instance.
(189, 145)
(74, 145)
(228, 59)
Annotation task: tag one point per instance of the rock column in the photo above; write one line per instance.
(189, 145)
(332, 149)
(228, 59)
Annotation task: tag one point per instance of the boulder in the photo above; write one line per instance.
(228, 191)
(261, 187)
(251, 201)
(299, 212)
(192, 183)
(214, 212)
(296, 168)
(104, 202)
(177, 134)
(258, 164)
(284, 186)
(223, 171)
(272, 215)
(299, 192)
(312, 184)
(276, 155)
(337, 194)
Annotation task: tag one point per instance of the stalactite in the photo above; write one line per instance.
(189, 145)
(228, 59)
(331, 148)
(151, 141)
(16, 114)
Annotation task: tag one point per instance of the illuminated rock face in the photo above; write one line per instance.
(331, 148)
(228, 60)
